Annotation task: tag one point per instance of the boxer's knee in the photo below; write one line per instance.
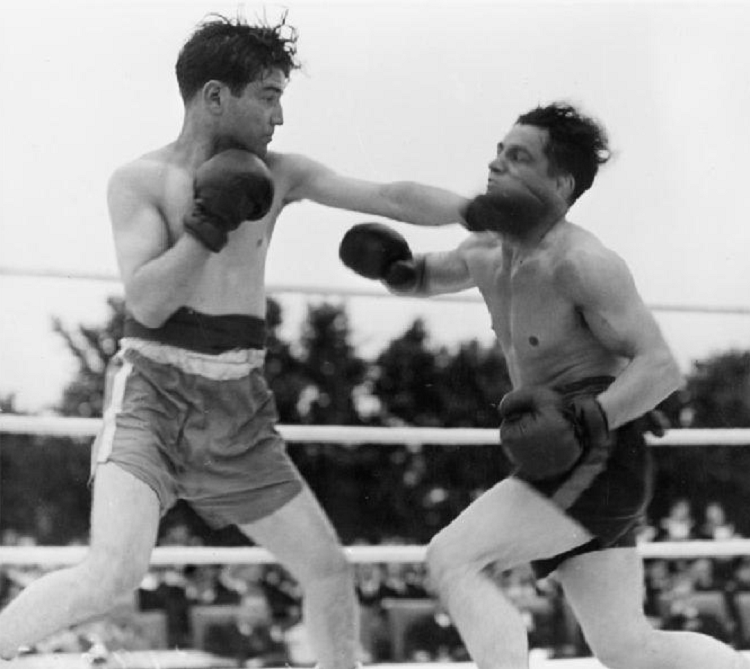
(106, 575)
(629, 648)
(448, 559)
(445, 565)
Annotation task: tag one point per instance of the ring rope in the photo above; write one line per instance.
(463, 297)
(60, 426)
(203, 555)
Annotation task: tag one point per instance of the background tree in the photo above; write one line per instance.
(43, 491)
(716, 394)
(285, 372)
(407, 380)
(372, 491)
(91, 347)
(331, 365)
(718, 391)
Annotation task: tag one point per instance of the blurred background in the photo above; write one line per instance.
(406, 90)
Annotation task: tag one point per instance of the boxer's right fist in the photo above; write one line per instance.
(231, 187)
(375, 251)
(545, 435)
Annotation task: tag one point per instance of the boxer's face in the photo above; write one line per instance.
(520, 159)
(521, 167)
(251, 118)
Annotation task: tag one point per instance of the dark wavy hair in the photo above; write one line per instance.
(577, 143)
(235, 53)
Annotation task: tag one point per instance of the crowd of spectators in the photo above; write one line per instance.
(263, 625)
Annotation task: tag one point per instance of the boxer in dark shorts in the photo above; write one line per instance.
(587, 361)
(189, 413)
(608, 490)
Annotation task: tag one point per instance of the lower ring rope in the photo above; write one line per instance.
(202, 555)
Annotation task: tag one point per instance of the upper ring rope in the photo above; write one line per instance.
(464, 297)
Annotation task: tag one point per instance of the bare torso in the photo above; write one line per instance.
(231, 282)
(543, 333)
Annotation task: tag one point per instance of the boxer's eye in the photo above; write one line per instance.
(518, 155)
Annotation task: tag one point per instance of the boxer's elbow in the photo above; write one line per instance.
(149, 312)
(667, 371)
(151, 318)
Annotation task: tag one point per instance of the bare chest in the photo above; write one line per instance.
(535, 322)
(232, 279)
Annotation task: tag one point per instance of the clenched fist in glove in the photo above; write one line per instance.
(231, 187)
(545, 435)
(375, 251)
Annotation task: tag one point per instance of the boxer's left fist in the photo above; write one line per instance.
(229, 188)
(544, 435)
(376, 251)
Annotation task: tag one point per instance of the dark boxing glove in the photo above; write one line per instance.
(513, 211)
(544, 435)
(375, 251)
(654, 422)
(231, 187)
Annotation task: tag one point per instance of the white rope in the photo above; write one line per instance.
(170, 555)
(379, 292)
(59, 426)
(173, 555)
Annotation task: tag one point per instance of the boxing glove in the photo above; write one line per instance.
(513, 211)
(375, 251)
(231, 187)
(544, 435)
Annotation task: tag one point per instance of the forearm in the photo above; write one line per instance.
(643, 384)
(419, 204)
(160, 286)
(435, 276)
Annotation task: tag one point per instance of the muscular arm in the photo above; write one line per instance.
(405, 201)
(444, 272)
(602, 286)
(158, 278)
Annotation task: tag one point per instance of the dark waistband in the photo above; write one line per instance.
(204, 333)
(590, 385)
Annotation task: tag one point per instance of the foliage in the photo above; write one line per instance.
(716, 395)
(718, 390)
(43, 491)
(91, 347)
(390, 490)
(331, 365)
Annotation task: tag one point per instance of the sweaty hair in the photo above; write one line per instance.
(235, 53)
(577, 144)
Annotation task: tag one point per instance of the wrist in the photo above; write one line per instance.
(602, 403)
(406, 277)
(204, 229)
(590, 420)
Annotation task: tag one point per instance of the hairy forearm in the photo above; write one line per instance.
(643, 384)
(159, 287)
(435, 276)
(423, 205)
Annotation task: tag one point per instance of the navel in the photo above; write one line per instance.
(533, 341)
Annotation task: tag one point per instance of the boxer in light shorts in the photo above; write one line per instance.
(198, 426)
(188, 413)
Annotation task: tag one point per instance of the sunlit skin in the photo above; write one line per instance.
(163, 269)
(149, 198)
(563, 306)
